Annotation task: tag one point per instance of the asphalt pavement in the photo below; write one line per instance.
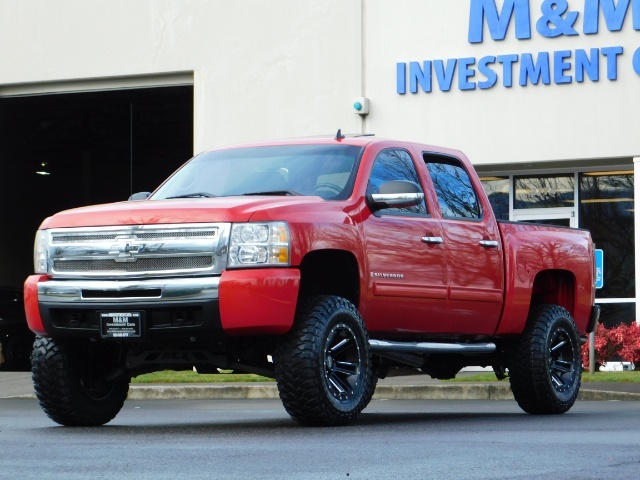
(391, 439)
(410, 387)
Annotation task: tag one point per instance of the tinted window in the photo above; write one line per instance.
(497, 189)
(607, 210)
(394, 164)
(548, 191)
(456, 195)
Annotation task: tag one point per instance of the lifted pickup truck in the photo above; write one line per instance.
(323, 263)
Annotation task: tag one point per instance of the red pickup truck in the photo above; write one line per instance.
(322, 263)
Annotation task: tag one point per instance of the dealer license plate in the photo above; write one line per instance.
(121, 324)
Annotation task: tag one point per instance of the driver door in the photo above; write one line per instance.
(406, 265)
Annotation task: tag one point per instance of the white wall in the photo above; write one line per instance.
(262, 69)
(499, 125)
(290, 68)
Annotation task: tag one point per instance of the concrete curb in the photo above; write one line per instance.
(237, 391)
(603, 395)
(472, 391)
(466, 391)
(202, 391)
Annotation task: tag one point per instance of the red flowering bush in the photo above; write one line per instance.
(630, 343)
(623, 340)
(606, 345)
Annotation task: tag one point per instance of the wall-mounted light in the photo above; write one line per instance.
(42, 169)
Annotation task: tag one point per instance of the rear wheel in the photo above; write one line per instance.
(323, 368)
(545, 365)
(70, 380)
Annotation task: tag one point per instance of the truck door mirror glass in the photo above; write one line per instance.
(397, 193)
(139, 196)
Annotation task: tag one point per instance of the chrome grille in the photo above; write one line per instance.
(138, 250)
(144, 264)
(66, 238)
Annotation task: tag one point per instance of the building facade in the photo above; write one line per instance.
(99, 99)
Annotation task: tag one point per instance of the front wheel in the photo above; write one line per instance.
(545, 364)
(71, 383)
(323, 367)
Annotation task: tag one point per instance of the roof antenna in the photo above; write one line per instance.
(339, 135)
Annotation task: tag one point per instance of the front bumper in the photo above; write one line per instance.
(238, 302)
(70, 308)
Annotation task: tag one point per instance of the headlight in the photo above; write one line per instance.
(259, 244)
(40, 248)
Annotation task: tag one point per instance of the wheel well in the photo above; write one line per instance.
(554, 287)
(330, 272)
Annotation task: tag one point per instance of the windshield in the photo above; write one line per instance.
(327, 171)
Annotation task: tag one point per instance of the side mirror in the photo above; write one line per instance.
(139, 196)
(396, 193)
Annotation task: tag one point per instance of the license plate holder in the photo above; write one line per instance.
(121, 324)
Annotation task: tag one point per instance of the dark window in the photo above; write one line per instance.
(497, 189)
(549, 191)
(456, 195)
(395, 164)
(560, 222)
(614, 314)
(606, 209)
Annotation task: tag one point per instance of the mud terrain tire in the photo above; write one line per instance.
(545, 364)
(324, 368)
(69, 383)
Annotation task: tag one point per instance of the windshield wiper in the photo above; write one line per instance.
(195, 195)
(275, 192)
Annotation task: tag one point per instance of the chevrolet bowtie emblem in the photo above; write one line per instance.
(125, 251)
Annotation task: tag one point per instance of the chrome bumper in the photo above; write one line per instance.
(137, 291)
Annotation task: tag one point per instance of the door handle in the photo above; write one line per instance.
(432, 240)
(489, 243)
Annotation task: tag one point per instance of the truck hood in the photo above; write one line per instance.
(184, 210)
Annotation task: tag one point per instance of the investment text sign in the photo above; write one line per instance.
(551, 19)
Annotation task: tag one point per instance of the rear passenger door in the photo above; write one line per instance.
(473, 248)
(405, 257)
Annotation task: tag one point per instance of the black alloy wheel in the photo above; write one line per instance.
(343, 362)
(561, 361)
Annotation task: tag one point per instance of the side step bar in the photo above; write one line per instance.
(382, 346)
